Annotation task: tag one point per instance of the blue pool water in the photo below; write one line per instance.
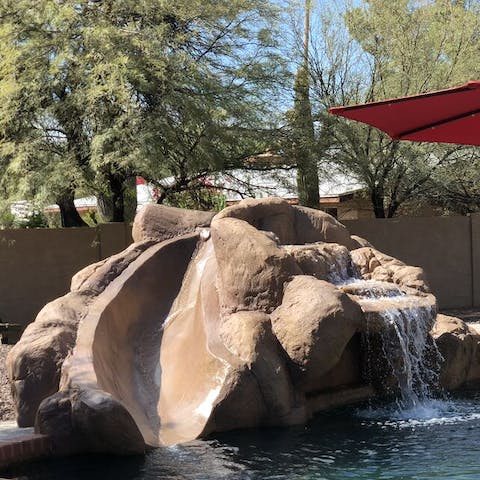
(440, 440)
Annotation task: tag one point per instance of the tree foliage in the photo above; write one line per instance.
(391, 49)
(93, 93)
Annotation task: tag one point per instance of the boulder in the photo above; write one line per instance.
(88, 421)
(314, 324)
(375, 308)
(359, 242)
(269, 214)
(105, 424)
(325, 261)
(311, 260)
(34, 363)
(368, 260)
(474, 372)
(54, 418)
(96, 277)
(252, 268)
(158, 222)
(291, 224)
(238, 405)
(365, 260)
(316, 226)
(375, 265)
(248, 335)
(457, 344)
(410, 277)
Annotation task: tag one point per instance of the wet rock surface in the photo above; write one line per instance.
(459, 345)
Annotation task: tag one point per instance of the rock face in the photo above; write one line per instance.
(314, 324)
(204, 325)
(156, 222)
(459, 345)
(35, 362)
(252, 267)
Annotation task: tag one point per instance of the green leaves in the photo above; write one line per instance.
(383, 49)
(95, 90)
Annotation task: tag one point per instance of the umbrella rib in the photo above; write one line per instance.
(406, 133)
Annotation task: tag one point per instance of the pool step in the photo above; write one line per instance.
(20, 445)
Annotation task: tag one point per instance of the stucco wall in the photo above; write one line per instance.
(36, 265)
(447, 248)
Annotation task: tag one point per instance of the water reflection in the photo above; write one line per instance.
(442, 441)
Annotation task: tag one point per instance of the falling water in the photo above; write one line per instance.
(341, 269)
(403, 322)
(412, 358)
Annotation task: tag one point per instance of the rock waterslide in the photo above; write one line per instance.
(261, 315)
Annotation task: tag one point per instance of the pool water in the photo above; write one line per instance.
(439, 440)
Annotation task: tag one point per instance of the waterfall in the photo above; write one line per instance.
(412, 358)
(341, 269)
(398, 324)
(402, 322)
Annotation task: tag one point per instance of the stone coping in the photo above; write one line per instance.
(21, 444)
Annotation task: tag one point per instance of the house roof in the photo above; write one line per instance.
(236, 185)
(239, 184)
(145, 194)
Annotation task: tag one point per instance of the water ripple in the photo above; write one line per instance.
(437, 441)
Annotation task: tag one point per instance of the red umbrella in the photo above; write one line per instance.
(448, 116)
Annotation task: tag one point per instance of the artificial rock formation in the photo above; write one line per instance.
(459, 345)
(203, 326)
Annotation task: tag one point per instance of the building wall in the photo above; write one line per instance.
(36, 265)
(352, 209)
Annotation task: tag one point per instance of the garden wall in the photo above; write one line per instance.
(447, 248)
(36, 265)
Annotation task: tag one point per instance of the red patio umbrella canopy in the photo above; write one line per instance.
(447, 116)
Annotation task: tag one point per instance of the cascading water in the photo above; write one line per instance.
(412, 358)
(402, 322)
(341, 269)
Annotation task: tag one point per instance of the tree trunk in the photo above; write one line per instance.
(161, 198)
(68, 212)
(377, 202)
(120, 202)
(392, 209)
(304, 148)
(307, 182)
(130, 198)
(304, 144)
(105, 207)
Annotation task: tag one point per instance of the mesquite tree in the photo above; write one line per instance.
(93, 93)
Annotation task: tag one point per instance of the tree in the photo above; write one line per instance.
(221, 115)
(303, 133)
(94, 93)
(456, 187)
(391, 49)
